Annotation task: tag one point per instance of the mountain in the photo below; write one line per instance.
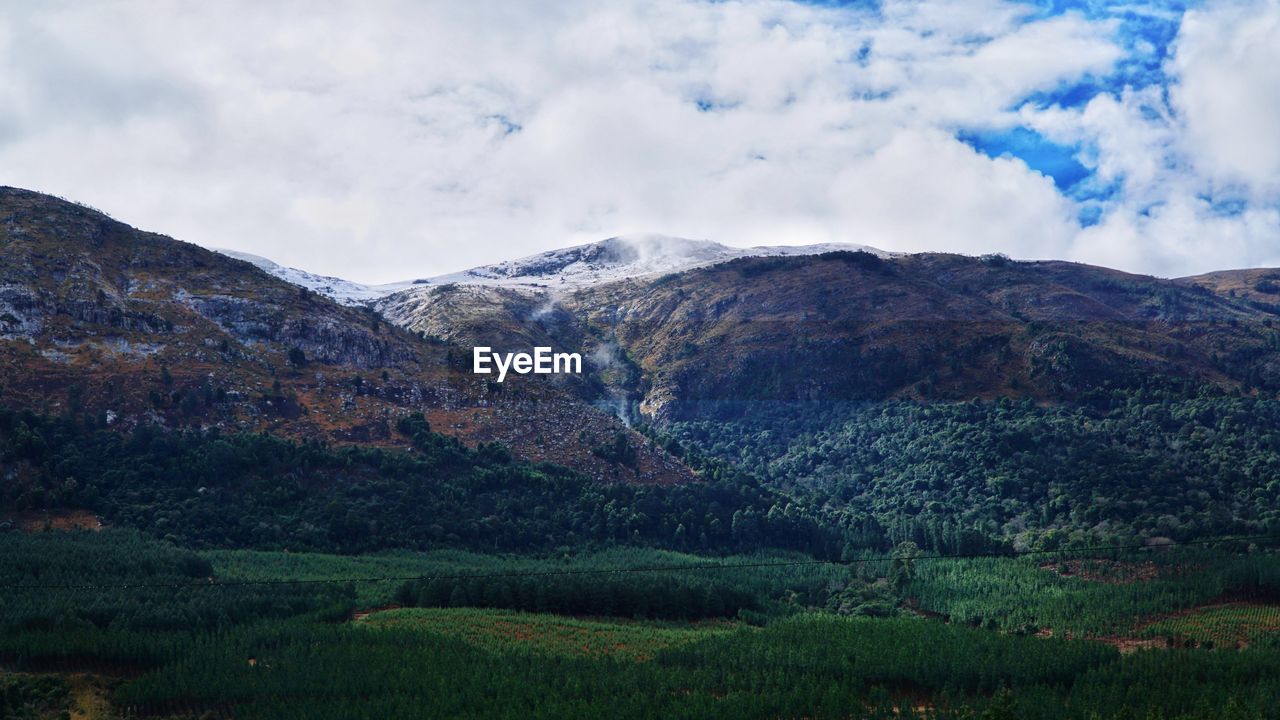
(1257, 287)
(860, 326)
(609, 260)
(956, 402)
(102, 321)
(98, 319)
(846, 397)
(618, 258)
(344, 292)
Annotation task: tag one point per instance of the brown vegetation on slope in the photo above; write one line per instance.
(100, 319)
(852, 326)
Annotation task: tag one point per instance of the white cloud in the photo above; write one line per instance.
(1182, 236)
(1228, 93)
(976, 206)
(393, 139)
(1216, 140)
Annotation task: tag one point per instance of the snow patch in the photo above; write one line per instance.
(617, 258)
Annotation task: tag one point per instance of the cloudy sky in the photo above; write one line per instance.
(384, 140)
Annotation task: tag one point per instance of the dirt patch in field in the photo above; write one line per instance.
(1114, 572)
(362, 615)
(89, 697)
(912, 605)
(33, 522)
(1128, 645)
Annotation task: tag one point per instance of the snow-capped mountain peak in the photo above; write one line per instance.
(615, 258)
(618, 258)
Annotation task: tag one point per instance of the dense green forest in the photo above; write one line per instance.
(122, 597)
(159, 598)
(260, 491)
(250, 634)
(810, 666)
(820, 590)
(829, 480)
(960, 477)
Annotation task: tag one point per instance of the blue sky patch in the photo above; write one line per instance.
(1145, 32)
(1068, 95)
(1226, 206)
(1056, 161)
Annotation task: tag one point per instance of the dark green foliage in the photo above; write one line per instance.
(857, 258)
(1267, 285)
(618, 452)
(283, 650)
(965, 477)
(243, 490)
(810, 666)
(1115, 596)
(52, 609)
(667, 597)
(28, 697)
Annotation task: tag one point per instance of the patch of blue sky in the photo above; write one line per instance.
(1170, 10)
(1090, 213)
(873, 6)
(1058, 162)
(1144, 30)
(1225, 205)
(509, 126)
(1073, 94)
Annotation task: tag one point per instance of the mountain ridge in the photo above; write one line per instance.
(134, 328)
(858, 326)
(569, 268)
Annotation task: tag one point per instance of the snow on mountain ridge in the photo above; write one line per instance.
(345, 292)
(618, 258)
(615, 258)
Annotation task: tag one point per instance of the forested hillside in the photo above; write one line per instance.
(1121, 467)
(207, 489)
(843, 485)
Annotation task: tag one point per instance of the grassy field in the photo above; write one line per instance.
(501, 630)
(1090, 599)
(1223, 626)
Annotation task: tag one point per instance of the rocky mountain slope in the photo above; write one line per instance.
(859, 326)
(122, 326)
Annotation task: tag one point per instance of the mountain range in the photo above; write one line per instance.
(802, 366)
(671, 328)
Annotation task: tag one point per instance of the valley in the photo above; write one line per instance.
(821, 482)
